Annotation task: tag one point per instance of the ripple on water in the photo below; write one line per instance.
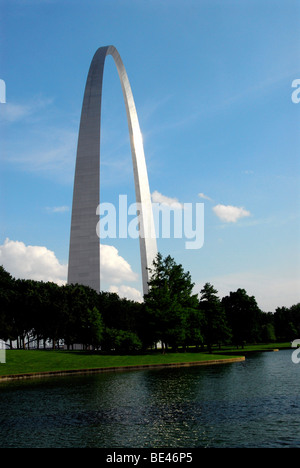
(249, 404)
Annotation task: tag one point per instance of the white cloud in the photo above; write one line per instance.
(31, 262)
(230, 214)
(40, 264)
(15, 112)
(37, 145)
(270, 289)
(58, 209)
(166, 201)
(127, 292)
(205, 197)
(53, 154)
(114, 268)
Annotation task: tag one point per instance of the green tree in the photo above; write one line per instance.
(168, 302)
(54, 307)
(287, 322)
(244, 317)
(194, 328)
(7, 299)
(268, 333)
(83, 321)
(119, 313)
(215, 326)
(295, 318)
(24, 310)
(123, 341)
(92, 328)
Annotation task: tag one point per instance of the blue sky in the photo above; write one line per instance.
(212, 83)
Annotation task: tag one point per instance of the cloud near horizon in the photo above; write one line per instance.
(31, 262)
(270, 288)
(127, 292)
(40, 264)
(114, 268)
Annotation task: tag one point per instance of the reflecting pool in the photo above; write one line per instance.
(254, 403)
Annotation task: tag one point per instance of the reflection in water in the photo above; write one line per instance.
(248, 404)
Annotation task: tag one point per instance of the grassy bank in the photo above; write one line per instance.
(34, 361)
(253, 348)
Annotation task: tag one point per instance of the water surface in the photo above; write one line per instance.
(254, 403)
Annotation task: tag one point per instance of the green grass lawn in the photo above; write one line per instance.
(254, 348)
(31, 361)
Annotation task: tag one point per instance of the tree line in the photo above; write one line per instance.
(36, 313)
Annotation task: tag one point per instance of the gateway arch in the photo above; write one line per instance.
(84, 251)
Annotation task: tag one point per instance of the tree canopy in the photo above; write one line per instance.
(215, 326)
(170, 302)
(36, 313)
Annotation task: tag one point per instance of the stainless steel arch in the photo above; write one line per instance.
(84, 253)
